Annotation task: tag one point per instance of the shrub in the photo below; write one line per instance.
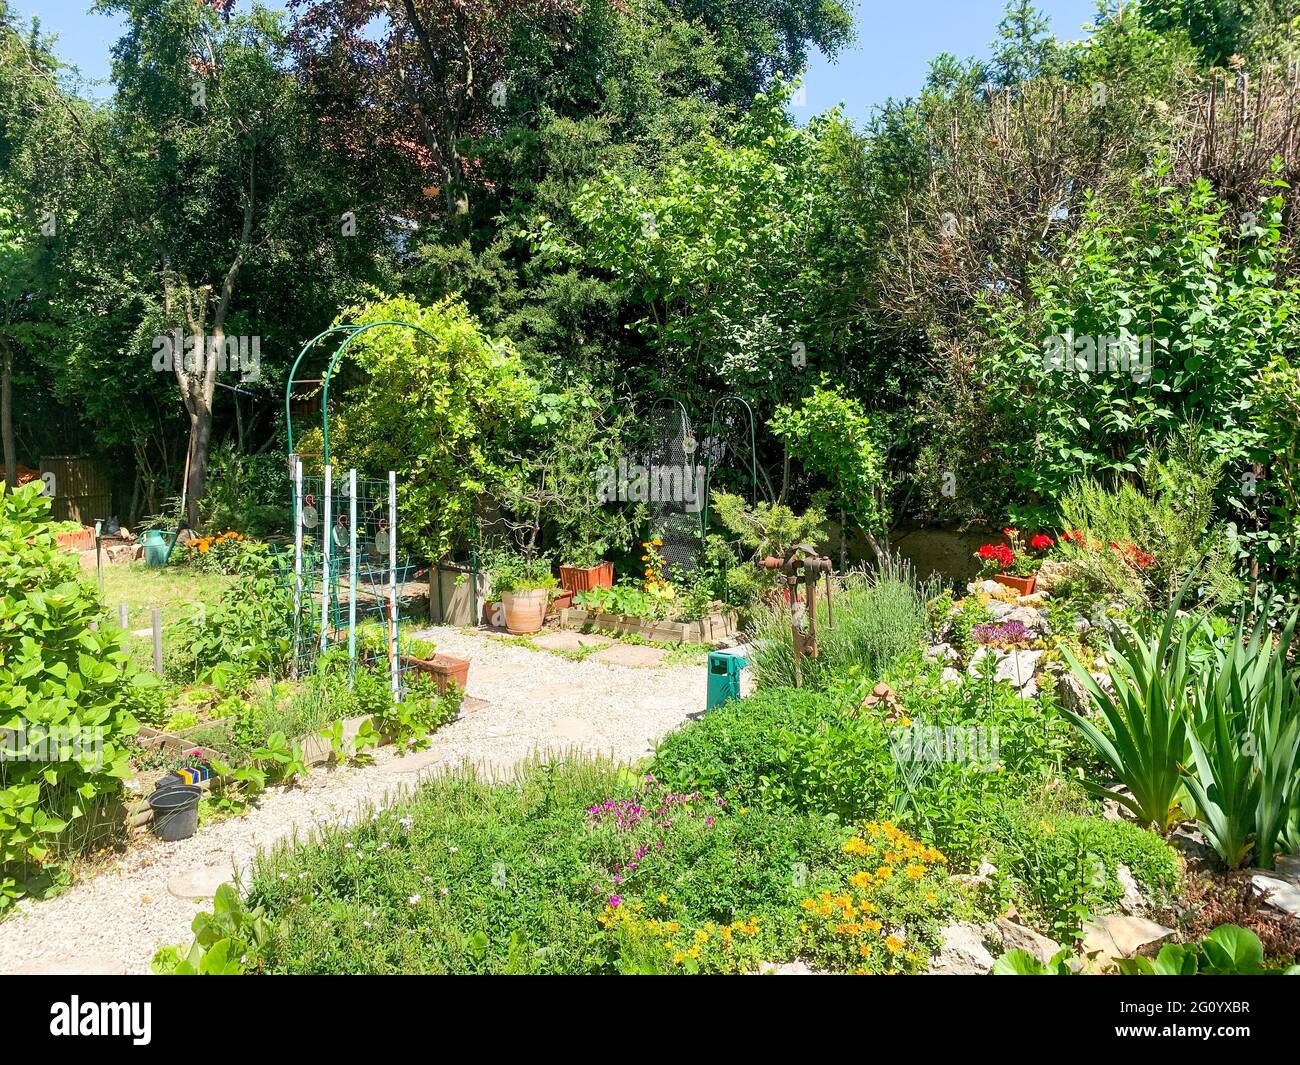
(1066, 866)
(1138, 543)
(442, 404)
(249, 628)
(879, 618)
(739, 748)
(55, 672)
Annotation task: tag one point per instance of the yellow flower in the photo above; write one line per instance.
(915, 872)
(1047, 827)
(663, 899)
(894, 944)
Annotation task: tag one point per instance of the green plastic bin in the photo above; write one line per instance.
(724, 675)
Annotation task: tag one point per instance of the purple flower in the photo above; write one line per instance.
(614, 902)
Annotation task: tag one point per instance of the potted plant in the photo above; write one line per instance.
(445, 669)
(585, 569)
(1012, 564)
(524, 587)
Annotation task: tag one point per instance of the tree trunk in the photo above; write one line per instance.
(200, 438)
(7, 415)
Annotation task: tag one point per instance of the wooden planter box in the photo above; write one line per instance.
(445, 669)
(574, 579)
(712, 629)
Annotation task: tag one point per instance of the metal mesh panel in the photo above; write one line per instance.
(672, 456)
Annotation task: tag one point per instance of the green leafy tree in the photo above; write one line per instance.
(1159, 316)
(834, 439)
(441, 406)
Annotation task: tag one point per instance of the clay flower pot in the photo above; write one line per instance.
(1023, 585)
(525, 610)
(584, 579)
(446, 669)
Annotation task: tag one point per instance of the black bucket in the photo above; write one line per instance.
(175, 811)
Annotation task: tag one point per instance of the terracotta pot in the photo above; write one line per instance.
(78, 540)
(1023, 585)
(575, 579)
(562, 599)
(445, 669)
(525, 611)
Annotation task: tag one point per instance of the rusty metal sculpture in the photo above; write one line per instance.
(803, 615)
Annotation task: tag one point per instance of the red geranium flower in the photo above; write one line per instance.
(1041, 542)
(999, 553)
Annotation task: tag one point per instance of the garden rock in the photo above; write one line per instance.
(201, 882)
(789, 968)
(1034, 621)
(1082, 626)
(1120, 936)
(1016, 667)
(1133, 902)
(1050, 574)
(1021, 937)
(942, 652)
(1280, 894)
(950, 676)
(963, 952)
(1000, 610)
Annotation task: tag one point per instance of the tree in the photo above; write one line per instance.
(1024, 48)
(209, 157)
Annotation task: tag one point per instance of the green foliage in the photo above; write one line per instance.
(558, 484)
(767, 528)
(229, 941)
(834, 439)
(1227, 951)
(250, 627)
(56, 673)
(1171, 523)
(1143, 744)
(513, 572)
(1066, 867)
(1171, 270)
(879, 617)
(1273, 538)
(464, 876)
(1244, 774)
(440, 405)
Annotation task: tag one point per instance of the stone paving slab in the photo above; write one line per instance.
(630, 654)
(570, 640)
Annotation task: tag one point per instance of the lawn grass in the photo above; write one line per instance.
(176, 589)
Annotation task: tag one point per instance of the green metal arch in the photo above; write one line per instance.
(353, 331)
(732, 397)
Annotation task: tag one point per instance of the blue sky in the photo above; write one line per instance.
(896, 41)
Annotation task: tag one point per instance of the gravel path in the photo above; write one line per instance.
(114, 921)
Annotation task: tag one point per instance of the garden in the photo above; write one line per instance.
(745, 542)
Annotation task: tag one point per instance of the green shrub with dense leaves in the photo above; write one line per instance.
(64, 693)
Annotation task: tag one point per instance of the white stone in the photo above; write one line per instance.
(1021, 937)
(1133, 903)
(1277, 893)
(1120, 936)
(963, 952)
